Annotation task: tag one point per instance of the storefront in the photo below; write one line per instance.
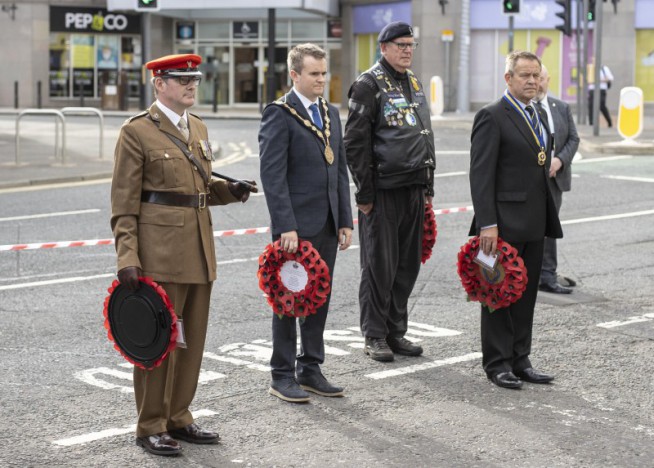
(644, 60)
(234, 54)
(91, 48)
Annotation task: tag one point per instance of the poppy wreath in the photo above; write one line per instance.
(173, 326)
(284, 301)
(429, 232)
(495, 289)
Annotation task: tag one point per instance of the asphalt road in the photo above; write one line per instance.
(65, 393)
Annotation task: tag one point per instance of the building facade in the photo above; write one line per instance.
(65, 53)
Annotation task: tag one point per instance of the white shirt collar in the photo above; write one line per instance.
(305, 101)
(173, 116)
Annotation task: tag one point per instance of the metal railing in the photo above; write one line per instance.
(87, 110)
(58, 117)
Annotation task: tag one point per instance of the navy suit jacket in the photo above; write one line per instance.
(508, 186)
(567, 141)
(301, 188)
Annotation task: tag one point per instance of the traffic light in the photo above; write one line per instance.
(511, 7)
(147, 5)
(566, 16)
(591, 10)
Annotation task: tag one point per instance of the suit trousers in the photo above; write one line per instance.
(602, 107)
(164, 394)
(284, 330)
(506, 332)
(391, 251)
(550, 262)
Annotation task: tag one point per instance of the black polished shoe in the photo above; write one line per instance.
(160, 444)
(532, 375)
(506, 380)
(555, 288)
(403, 346)
(317, 383)
(195, 435)
(288, 390)
(378, 349)
(565, 281)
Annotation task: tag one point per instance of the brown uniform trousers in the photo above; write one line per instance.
(172, 244)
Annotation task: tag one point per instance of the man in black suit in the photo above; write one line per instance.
(509, 161)
(305, 180)
(566, 142)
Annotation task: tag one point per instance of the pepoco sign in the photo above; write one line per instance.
(92, 20)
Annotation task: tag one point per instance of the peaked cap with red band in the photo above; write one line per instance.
(175, 65)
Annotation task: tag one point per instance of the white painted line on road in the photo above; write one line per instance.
(48, 215)
(608, 217)
(57, 281)
(32, 188)
(236, 362)
(421, 367)
(450, 174)
(93, 436)
(628, 321)
(608, 158)
(453, 152)
(632, 179)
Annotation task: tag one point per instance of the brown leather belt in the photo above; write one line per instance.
(199, 200)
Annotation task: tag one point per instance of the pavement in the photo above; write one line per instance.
(37, 162)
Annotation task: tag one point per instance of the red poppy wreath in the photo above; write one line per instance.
(429, 232)
(295, 284)
(141, 324)
(494, 289)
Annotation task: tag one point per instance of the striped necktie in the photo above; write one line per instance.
(532, 116)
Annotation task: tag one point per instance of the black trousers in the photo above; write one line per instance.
(391, 250)
(284, 330)
(603, 109)
(506, 333)
(550, 261)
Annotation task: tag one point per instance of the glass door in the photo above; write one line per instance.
(215, 75)
(246, 78)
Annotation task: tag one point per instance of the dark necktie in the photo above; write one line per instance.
(315, 115)
(532, 116)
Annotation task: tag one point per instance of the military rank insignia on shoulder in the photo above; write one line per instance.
(134, 117)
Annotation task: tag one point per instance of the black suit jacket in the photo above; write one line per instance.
(301, 189)
(508, 186)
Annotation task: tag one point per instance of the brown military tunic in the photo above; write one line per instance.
(172, 244)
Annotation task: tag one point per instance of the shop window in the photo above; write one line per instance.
(59, 65)
(281, 30)
(83, 60)
(130, 63)
(308, 30)
(213, 30)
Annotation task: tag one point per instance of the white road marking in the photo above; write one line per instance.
(450, 174)
(608, 217)
(421, 367)
(48, 215)
(236, 362)
(443, 152)
(33, 188)
(93, 436)
(57, 281)
(608, 158)
(89, 376)
(628, 321)
(632, 179)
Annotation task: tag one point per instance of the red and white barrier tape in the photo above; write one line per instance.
(227, 233)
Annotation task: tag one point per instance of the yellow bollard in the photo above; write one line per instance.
(630, 114)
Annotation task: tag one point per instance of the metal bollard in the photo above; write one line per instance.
(38, 94)
(15, 94)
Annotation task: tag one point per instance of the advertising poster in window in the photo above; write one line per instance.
(107, 52)
(645, 63)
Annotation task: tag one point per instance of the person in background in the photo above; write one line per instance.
(606, 78)
(566, 141)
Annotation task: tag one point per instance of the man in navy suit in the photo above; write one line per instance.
(566, 142)
(305, 180)
(509, 172)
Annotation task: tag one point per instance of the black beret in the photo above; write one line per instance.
(394, 30)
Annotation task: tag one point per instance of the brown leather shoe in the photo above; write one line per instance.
(195, 435)
(160, 444)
